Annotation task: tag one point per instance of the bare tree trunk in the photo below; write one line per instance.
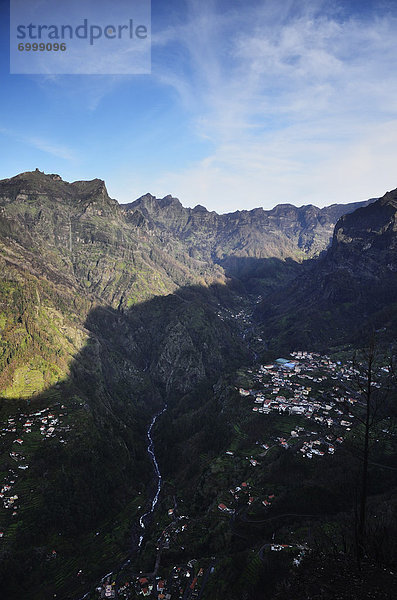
(364, 474)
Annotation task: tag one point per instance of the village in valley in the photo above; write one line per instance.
(305, 405)
(307, 388)
(19, 435)
(285, 389)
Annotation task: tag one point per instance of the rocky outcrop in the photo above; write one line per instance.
(350, 292)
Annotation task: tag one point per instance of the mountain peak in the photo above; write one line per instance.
(169, 201)
(53, 176)
(152, 205)
(42, 188)
(390, 198)
(200, 208)
(90, 187)
(36, 175)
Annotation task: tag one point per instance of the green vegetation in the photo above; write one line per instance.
(106, 313)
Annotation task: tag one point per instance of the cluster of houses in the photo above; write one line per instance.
(318, 448)
(178, 525)
(10, 500)
(48, 422)
(283, 387)
(242, 316)
(302, 548)
(156, 588)
(183, 581)
(308, 385)
(243, 494)
(314, 443)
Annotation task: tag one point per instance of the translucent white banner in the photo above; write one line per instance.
(90, 37)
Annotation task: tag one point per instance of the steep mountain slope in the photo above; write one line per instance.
(64, 249)
(106, 313)
(84, 234)
(351, 290)
(93, 474)
(91, 334)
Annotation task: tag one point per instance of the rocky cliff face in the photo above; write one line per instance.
(366, 241)
(77, 230)
(363, 250)
(283, 232)
(350, 290)
(106, 311)
(68, 248)
(102, 316)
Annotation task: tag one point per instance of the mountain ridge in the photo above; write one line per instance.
(284, 231)
(73, 245)
(169, 199)
(107, 315)
(188, 243)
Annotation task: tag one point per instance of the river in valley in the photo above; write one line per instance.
(152, 455)
(145, 518)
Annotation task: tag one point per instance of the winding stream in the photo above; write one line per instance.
(144, 517)
(150, 450)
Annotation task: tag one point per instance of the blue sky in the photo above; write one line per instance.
(249, 103)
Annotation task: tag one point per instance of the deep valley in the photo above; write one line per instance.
(195, 405)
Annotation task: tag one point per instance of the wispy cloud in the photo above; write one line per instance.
(45, 145)
(88, 91)
(54, 149)
(300, 104)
